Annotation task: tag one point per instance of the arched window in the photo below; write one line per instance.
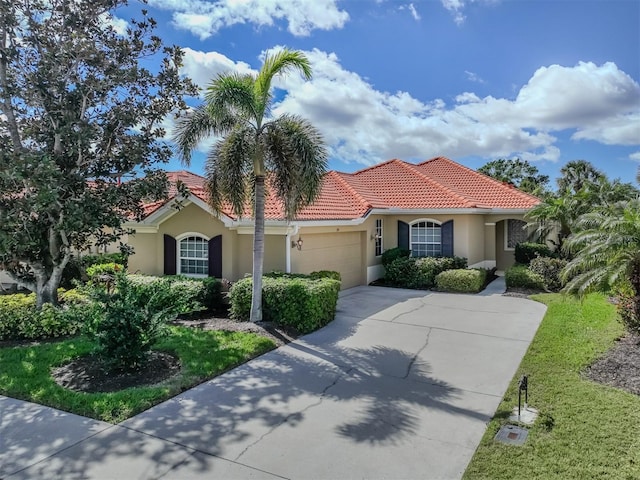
(193, 256)
(426, 239)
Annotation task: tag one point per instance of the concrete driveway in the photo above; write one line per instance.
(400, 385)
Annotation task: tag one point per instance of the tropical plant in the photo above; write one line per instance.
(578, 174)
(78, 111)
(256, 151)
(607, 249)
(555, 214)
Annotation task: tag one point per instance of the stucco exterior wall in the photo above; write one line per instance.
(274, 254)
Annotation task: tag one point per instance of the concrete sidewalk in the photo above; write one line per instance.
(400, 385)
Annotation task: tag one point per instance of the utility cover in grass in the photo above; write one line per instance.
(512, 435)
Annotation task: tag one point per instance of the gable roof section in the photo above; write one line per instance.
(475, 185)
(435, 184)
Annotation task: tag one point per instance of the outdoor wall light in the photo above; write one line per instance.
(297, 243)
(375, 236)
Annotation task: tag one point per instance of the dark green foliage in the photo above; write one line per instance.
(412, 272)
(19, 318)
(549, 269)
(95, 271)
(519, 276)
(326, 274)
(519, 173)
(628, 307)
(302, 303)
(81, 116)
(462, 280)
(390, 255)
(73, 272)
(178, 294)
(527, 251)
(131, 323)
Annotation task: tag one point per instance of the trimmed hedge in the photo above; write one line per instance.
(420, 272)
(178, 294)
(305, 304)
(19, 318)
(461, 280)
(549, 269)
(392, 254)
(519, 276)
(527, 251)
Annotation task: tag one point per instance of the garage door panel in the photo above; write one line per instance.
(340, 252)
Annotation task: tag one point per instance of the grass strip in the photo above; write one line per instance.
(25, 372)
(585, 430)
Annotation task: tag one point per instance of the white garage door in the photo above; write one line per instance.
(332, 251)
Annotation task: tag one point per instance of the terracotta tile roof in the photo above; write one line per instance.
(439, 183)
(474, 185)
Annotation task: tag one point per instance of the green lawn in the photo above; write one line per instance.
(25, 371)
(585, 430)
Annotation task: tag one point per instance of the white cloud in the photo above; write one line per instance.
(205, 18)
(456, 7)
(635, 156)
(473, 77)
(365, 125)
(119, 25)
(414, 13)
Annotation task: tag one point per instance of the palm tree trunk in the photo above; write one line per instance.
(258, 250)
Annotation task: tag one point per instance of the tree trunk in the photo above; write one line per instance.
(258, 250)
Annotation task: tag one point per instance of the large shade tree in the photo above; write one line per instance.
(78, 111)
(256, 151)
(519, 173)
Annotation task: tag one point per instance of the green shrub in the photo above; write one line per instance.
(392, 254)
(178, 294)
(19, 318)
(461, 280)
(89, 260)
(131, 323)
(549, 269)
(302, 303)
(527, 251)
(519, 276)
(411, 272)
(326, 274)
(628, 307)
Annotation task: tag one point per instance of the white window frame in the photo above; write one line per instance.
(507, 248)
(179, 239)
(424, 220)
(379, 231)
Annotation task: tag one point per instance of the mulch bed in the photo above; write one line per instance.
(620, 366)
(87, 373)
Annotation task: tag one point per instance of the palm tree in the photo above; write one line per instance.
(608, 250)
(578, 174)
(287, 152)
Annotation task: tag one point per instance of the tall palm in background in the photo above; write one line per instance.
(576, 175)
(256, 151)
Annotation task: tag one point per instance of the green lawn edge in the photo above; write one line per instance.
(25, 372)
(585, 429)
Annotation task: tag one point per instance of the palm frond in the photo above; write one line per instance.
(296, 160)
(231, 161)
(279, 63)
(190, 130)
(232, 96)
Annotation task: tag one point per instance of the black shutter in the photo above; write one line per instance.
(170, 258)
(215, 257)
(403, 235)
(447, 238)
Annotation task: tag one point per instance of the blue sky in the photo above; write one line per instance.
(474, 80)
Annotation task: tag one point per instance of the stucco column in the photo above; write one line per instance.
(490, 244)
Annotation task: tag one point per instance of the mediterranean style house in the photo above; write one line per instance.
(437, 208)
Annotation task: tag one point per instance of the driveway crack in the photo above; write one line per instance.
(415, 357)
(305, 409)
